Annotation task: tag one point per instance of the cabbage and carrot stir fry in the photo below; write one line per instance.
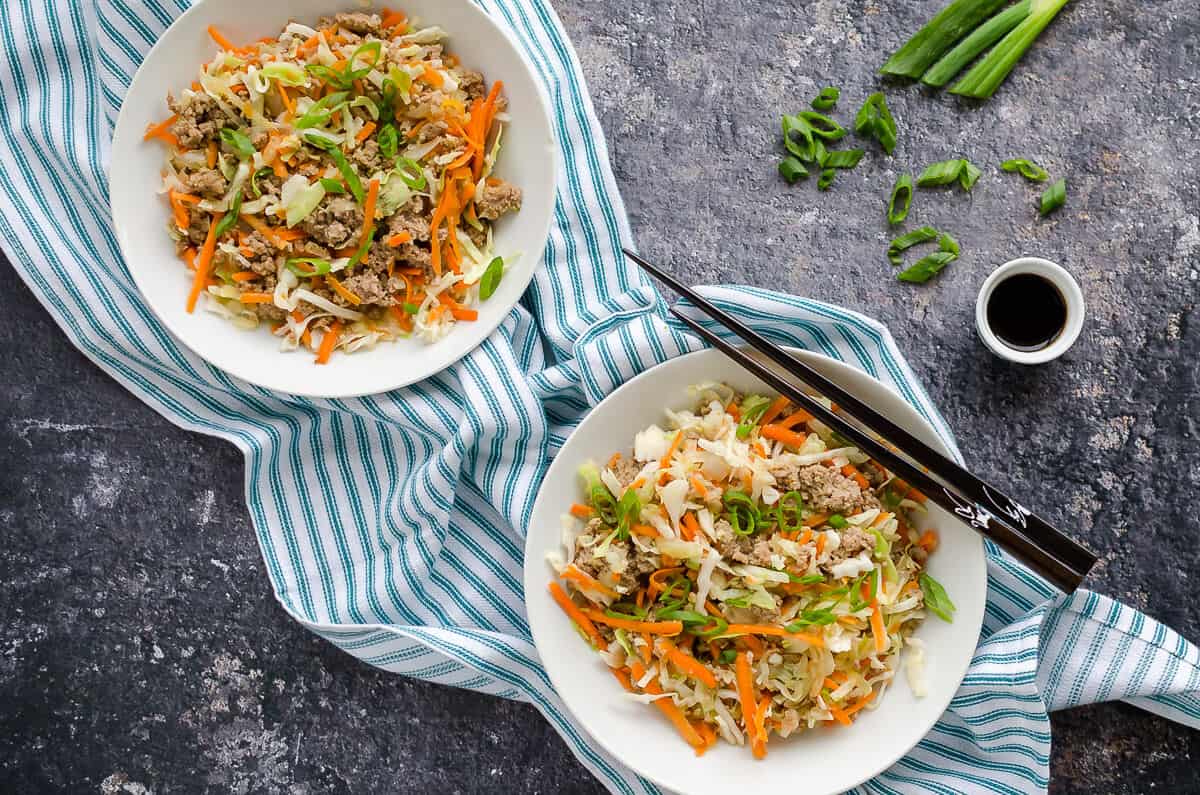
(748, 572)
(336, 182)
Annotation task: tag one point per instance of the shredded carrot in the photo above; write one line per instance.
(698, 485)
(432, 77)
(180, 212)
(839, 714)
(457, 310)
(341, 290)
(773, 631)
(657, 579)
(365, 132)
(163, 130)
(644, 530)
(224, 43)
(806, 536)
(287, 100)
(669, 708)
(290, 234)
(586, 580)
(582, 511)
(393, 18)
(774, 410)
(852, 472)
(647, 649)
(759, 747)
(203, 262)
(211, 155)
(820, 544)
(862, 702)
(691, 526)
(189, 258)
(575, 614)
(622, 675)
(653, 627)
(881, 638)
(244, 276)
(911, 585)
(256, 298)
(881, 518)
(687, 664)
(733, 411)
(753, 644)
(928, 540)
(666, 459)
(399, 239)
(708, 733)
(745, 689)
(778, 433)
(795, 419)
(616, 459)
(328, 342)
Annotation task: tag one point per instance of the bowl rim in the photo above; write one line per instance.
(125, 127)
(533, 559)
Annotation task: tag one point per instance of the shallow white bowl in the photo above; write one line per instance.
(140, 215)
(815, 762)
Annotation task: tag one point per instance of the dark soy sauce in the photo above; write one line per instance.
(1027, 312)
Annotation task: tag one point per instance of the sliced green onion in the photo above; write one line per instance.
(882, 547)
(329, 75)
(389, 141)
(944, 172)
(411, 309)
(490, 279)
(819, 152)
(343, 165)
(843, 158)
(970, 172)
(908, 240)
(629, 509)
(363, 249)
(254, 180)
(602, 501)
(743, 512)
(387, 101)
(789, 517)
(1054, 197)
(836, 521)
(317, 267)
(827, 98)
(332, 185)
(807, 579)
(826, 178)
(1027, 169)
(321, 110)
(822, 126)
(238, 142)
(901, 199)
(791, 169)
(231, 217)
(798, 137)
(939, 35)
(810, 618)
(987, 75)
(948, 244)
(753, 407)
(728, 656)
(980, 39)
(926, 267)
(410, 173)
(874, 120)
(936, 598)
(374, 48)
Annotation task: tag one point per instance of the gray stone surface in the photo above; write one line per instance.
(139, 642)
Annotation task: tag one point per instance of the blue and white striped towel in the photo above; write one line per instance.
(392, 525)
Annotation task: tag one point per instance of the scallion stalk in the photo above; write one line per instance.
(969, 48)
(987, 75)
(940, 34)
(901, 199)
(1054, 197)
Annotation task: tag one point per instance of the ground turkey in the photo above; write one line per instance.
(360, 23)
(498, 199)
(472, 85)
(370, 280)
(637, 567)
(626, 470)
(742, 549)
(368, 157)
(208, 182)
(200, 120)
(335, 223)
(855, 541)
(824, 489)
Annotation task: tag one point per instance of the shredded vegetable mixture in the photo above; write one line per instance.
(336, 182)
(747, 572)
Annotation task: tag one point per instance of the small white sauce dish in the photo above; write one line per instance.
(1068, 289)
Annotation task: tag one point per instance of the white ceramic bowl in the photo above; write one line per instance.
(140, 215)
(815, 762)
(1067, 287)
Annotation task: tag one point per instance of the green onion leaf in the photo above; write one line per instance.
(936, 598)
(810, 618)
(908, 240)
(411, 309)
(231, 217)
(238, 142)
(980, 39)
(798, 137)
(410, 173)
(363, 249)
(329, 75)
(843, 158)
(389, 141)
(254, 180)
(1027, 169)
(836, 521)
(490, 279)
(968, 175)
(874, 120)
(827, 98)
(789, 516)
(987, 75)
(744, 515)
(753, 407)
(822, 126)
(728, 656)
(807, 579)
(332, 185)
(322, 110)
(927, 267)
(944, 172)
(939, 35)
(791, 169)
(629, 510)
(308, 266)
(372, 48)
(826, 178)
(343, 165)
(948, 244)
(882, 547)
(1054, 197)
(901, 199)
(819, 152)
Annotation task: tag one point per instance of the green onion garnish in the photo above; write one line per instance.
(948, 244)
(411, 173)
(901, 199)
(908, 240)
(970, 172)
(230, 218)
(986, 76)
(411, 309)
(874, 120)
(944, 172)
(936, 598)
(389, 141)
(629, 509)
(980, 39)
(490, 279)
(827, 98)
(789, 512)
(332, 185)
(822, 126)
(753, 407)
(842, 158)
(810, 618)
(798, 137)
(1054, 197)
(328, 74)
(606, 507)
(743, 512)
(807, 579)
(254, 180)
(826, 178)
(315, 267)
(728, 656)
(238, 142)
(939, 35)
(1027, 169)
(321, 110)
(927, 267)
(791, 169)
(342, 164)
(836, 521)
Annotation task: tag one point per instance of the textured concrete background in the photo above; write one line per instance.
(140, 648)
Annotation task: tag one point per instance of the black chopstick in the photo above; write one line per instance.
(1041, 546)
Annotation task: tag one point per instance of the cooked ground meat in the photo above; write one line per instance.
(638, 566)
(208, 182)
(855, 541)
(428, 132)
(335, 223)
(411, 218)
(496, 200)
(372, 288)
(626, 471)
(198, 224)
(269, 312)
(743, 549)
(200, 120)
(367, 157)
(360, 23)
(824, 489)
(472, 85)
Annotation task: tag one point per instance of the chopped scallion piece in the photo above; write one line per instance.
(791, 169)
(827, 98)
(491, 278)
(238, 142)
(874, 120)
(308, 266)
(836, 521)
(826, 179)
(970, 172)
(332, 185)
(948, 244)
(822, 126)
(231, 217)
(901, 199)
(908, 240)
(927, 267)
(797, 137)
(944, 172)
(411, 173)
(389, 141)
(842, 158)
(1054, 197)
(1027, 169)
(411, 309)
(936, 598)
(254, 180)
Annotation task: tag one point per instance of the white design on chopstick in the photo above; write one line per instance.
(975, 515)
(1010, 508)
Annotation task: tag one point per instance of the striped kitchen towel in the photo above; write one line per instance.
(392, 525)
